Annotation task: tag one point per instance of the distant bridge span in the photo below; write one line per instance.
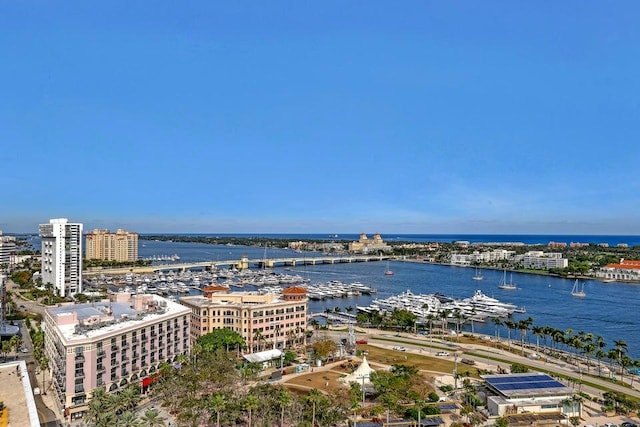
(241, 264)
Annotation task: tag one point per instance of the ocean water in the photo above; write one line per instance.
(608, 309)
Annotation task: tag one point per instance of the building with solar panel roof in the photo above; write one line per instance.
(529, 393)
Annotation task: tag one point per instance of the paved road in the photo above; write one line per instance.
(428, 346)
(48, 417)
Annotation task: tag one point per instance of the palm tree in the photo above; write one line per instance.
(6, 348)
(612, 355)
(114, 403)
(15, 342)
(314, 397)
(497, 322)
(430, 318)
(444, 315)
(151, 418)
(510, 324)
(523, 326)
(130, 397)
(127, 419)
(258, 337)
(250, 403)
(284, 399)
(217, 403)
(621, 350)
(537, 331)
(43, 361)
(589, 350)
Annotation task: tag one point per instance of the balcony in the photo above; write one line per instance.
(100, 369)
(144, 338)
(125, 345)
(100, 383)
(153, 335)
(79, 389)
(79, 375)
(114, 348)
(100, 352)
(135, 340)
(79, 358)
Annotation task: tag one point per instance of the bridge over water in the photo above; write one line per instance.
(241, 264)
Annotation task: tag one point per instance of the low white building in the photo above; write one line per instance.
(539, 260)
(625, 270)
(529, 393)
(480, 257)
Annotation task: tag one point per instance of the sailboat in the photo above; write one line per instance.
(478, 275)
(508, 286)
(577, 291)
(388, 272)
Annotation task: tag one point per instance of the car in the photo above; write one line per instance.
(361, 341)
(443, 353)
(399, 348)
(628, 424)
(24, 350)
(610, 425)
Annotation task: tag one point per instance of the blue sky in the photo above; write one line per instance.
(332, 116)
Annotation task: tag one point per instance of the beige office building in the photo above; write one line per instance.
(110, 344)
(265, 321)
(119, 246)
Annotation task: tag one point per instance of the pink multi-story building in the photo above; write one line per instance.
(110, 344)
(265, 321)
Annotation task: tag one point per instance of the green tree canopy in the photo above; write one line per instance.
(220, 339)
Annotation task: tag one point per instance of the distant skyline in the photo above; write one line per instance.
(336, 117)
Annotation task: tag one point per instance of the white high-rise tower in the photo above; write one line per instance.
(62, 255)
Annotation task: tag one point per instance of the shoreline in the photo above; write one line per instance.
(535, 273)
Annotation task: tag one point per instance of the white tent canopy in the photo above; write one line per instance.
(362, 373)
(263, 356)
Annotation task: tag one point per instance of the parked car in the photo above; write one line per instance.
(399, 348)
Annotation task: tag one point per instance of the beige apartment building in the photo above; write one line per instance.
(110, 344)
(265, 321)
(119, 246)
(365, 245)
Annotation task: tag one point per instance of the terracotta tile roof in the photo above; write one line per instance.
(294, 290)
(215, 289)
(626, 264)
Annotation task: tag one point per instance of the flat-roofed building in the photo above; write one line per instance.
(263, 320)
(62, 255)
(119, 246)
(17, 396)
(539, 260)
(110, 344)
(7, 248)
(531, 393)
